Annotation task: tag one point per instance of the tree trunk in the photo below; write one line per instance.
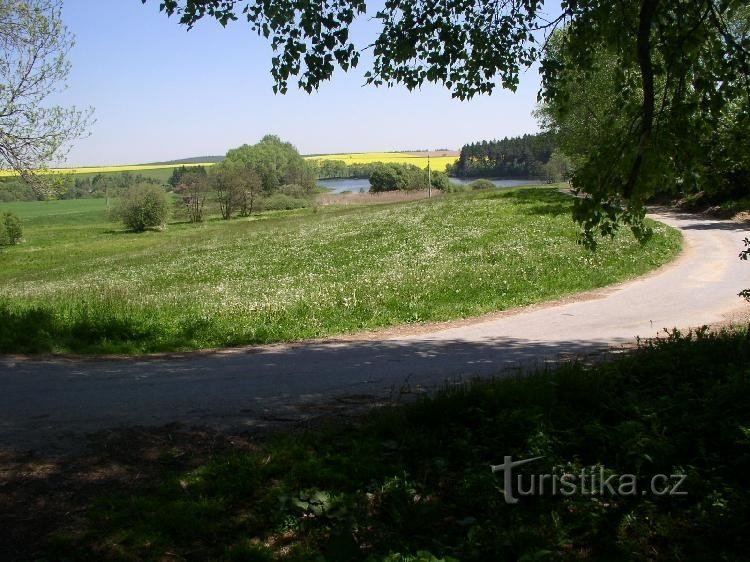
(643, 45)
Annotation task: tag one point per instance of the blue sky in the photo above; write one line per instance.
(160, 92)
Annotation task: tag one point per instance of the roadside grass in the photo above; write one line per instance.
(413, 482)
(80, 284)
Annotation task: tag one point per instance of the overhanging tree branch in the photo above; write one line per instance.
(33, 66)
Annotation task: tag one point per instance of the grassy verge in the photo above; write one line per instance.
(78, 284)
(414, 482)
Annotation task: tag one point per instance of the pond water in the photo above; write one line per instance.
(498, 182)
(346, 184)
(355, 184)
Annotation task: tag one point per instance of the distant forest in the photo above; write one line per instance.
(193, 160)
(514, 157)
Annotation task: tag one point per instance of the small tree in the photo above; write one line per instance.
(143, 206)
(34, 68)
(251, 190)
(228, 186)
(238, 188)
(11, 230)
(193, 188)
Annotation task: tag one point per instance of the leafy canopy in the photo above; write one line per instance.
(275, 162)
(679, 67)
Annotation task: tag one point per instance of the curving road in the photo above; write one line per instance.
(48, 403)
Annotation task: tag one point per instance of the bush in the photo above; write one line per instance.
(11, 230)
(455, 188)
(295, 190)
(440, 181)
(143, 206)
(281, 202)
(388, 178)
(482, 184)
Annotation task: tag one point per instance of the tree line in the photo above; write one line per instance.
(522, 157)
(340, 169)
(72, 186)
(404, 177)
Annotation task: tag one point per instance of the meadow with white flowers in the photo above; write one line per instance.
(79, 284)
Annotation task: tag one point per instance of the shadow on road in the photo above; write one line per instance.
(49, 404)
(699, 221)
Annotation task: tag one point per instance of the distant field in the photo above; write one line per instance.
(86, 170)
(80, 283)
(436, 162)
(163, 171)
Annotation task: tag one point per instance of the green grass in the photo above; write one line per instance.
(79, 284)
(417, 478)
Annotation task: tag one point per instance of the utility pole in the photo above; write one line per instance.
(429, 176)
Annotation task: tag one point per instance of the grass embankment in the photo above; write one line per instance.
(78, 284)
(417, 478)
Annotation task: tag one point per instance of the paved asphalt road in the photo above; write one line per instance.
(49, 404)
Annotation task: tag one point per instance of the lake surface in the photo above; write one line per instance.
(497, 181)
(356, 184)
(346, 184)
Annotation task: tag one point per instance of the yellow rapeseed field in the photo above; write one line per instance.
(437, 162)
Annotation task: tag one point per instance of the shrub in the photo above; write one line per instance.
(440, 181)
(388, 178)
(407, 177)
(143, 206)
(456, 188)
(11, 230)
(295, 190)
(482, 184)
(281, 202)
